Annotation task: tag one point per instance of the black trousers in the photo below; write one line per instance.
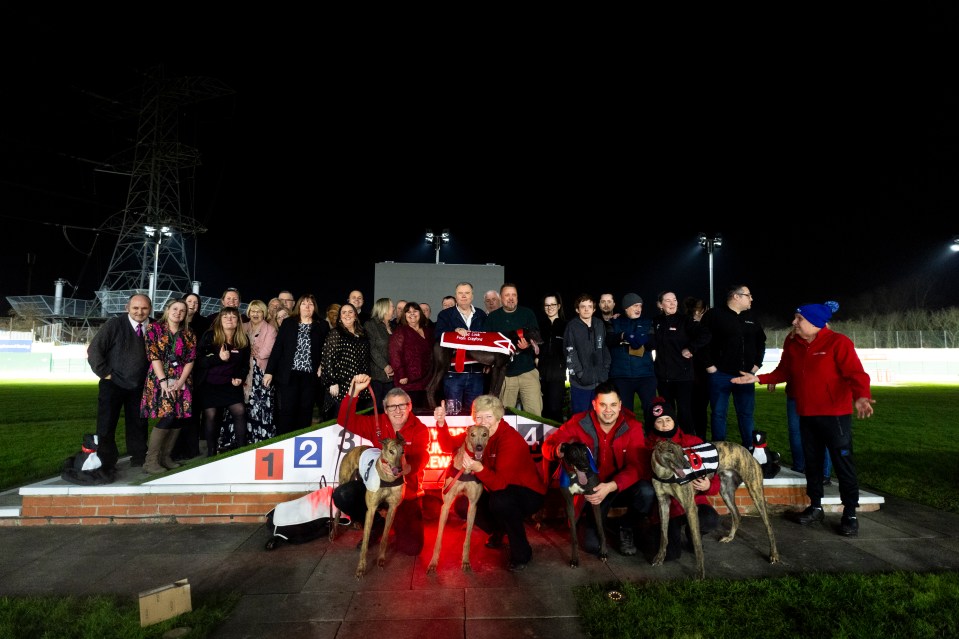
(408, 523)
(638, 500)
(832, 433)
(110, 400)
(504, 511)
(294, 402)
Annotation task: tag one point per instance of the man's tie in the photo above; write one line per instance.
(139, 330)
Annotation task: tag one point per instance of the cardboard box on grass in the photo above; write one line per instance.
(165, 602)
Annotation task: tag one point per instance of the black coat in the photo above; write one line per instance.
(281, 358)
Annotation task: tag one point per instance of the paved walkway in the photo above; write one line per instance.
(309, 590)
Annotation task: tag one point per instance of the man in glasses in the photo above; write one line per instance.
(287, 300)
(736, 345)
(397, 419)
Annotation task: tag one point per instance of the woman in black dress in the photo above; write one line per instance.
(223, 361)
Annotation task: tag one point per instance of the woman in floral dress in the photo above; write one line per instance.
(168, 389)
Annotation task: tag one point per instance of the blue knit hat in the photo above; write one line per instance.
(818, 314)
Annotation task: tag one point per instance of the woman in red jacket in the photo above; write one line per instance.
(662, 425)
(411, 354)
(514, 488)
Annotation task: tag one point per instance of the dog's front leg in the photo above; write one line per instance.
(663, 498)
(367, 529)
(692, 520)
(571, 517)
(384, 540)
(601, 531)
(473, 494)
(448, 500)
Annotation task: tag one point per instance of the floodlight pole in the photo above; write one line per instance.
(710, 243)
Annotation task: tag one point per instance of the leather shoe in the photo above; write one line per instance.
(517, 566)
(849, 526)
(809, 516)
(827, 481)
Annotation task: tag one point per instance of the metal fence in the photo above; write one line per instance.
(883, 339)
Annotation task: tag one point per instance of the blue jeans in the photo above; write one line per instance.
(744, 400)
(465, 387)
(580, 399)
(645, 388)
(795, 442)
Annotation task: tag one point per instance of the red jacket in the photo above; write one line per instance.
(825, 375)
(624, 458)
(415, 434)
(684, 440)
(506, 460)
(411, 357)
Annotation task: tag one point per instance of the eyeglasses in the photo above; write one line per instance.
(550, 305)
(232, 290)
(396, 407)
(749, 295)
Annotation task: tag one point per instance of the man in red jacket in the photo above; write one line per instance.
(398, 418)
(615, 437)
(827, 379)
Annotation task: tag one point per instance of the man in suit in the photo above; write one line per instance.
(117, 354)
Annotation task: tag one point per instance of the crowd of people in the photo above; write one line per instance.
(223, 381)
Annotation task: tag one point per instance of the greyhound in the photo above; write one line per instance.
(672, 472)
(457, 483)
(497, 362)
(382, 472)
(580, 478)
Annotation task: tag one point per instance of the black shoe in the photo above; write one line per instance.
(136, 463)
(626, 545)
(517, 566)
(495, 541)
(826, 481)
(849, 526)
(811, 515)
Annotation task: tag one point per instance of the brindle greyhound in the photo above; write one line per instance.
(497, 362)
(581, 479)
(457, 483)
(735, 465)
(388, 468)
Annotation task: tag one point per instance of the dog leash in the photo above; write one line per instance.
(460, 473)
(339, 448)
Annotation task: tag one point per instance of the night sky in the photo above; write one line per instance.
(823, 149)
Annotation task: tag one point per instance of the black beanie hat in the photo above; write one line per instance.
(658, 408)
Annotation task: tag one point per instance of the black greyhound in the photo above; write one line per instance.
(580, 478)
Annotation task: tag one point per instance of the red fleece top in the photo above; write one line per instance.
(825, 376)
(415, 434)
(619, 454)
(506, 460)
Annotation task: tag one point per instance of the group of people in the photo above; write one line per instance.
(265, 372)
(825, 377)
(227, 380)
